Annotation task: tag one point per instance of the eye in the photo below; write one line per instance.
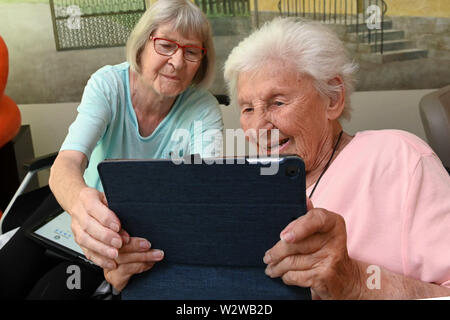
(278, 103)
(192, 51)
(165, 45)
(247, 110)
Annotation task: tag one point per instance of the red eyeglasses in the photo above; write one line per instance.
(168, 47)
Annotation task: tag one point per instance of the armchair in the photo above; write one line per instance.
(435, 114)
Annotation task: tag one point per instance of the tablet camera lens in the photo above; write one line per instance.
(291, 171)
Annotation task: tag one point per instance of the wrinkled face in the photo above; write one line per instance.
(168, 76)
(276, 97)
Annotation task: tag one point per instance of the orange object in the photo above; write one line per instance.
(10, 118)
(3, 66)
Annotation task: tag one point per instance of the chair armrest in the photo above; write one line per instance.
(39, 163)
(223, 99)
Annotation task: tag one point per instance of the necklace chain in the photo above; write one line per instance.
(327, 165)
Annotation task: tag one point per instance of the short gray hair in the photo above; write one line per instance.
(187, 19)
(309, 46)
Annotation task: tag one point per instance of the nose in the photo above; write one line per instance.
(266, 132)
(261, 124)
(263, 121)
(177, 59)
(266, 124)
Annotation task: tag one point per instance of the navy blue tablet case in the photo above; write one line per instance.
(213, 221)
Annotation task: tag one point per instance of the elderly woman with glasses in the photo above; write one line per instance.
(378, 218)
(130, 110)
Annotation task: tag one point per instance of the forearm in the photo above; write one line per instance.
(66, 181)
(392, 286)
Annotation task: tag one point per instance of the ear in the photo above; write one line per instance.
(337, 103)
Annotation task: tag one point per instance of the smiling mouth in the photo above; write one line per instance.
(278, 147)
(280, 144)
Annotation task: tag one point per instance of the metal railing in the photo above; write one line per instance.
(224, 7)
(366, 18)
(380, 15)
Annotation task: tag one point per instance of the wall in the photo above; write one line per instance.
(48, 124)
(386, 110)
(40, 74)
(420, 8)
(430, 33)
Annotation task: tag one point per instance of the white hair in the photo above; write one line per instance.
(187, 19)
(309, 46)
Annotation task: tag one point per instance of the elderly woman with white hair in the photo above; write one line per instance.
(129, 110)
(378, 218)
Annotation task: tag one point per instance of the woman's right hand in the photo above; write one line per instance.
(96, 228)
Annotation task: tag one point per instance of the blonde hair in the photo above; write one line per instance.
(187, 19)
(308, 46)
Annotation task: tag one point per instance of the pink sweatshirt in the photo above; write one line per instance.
(394, 195)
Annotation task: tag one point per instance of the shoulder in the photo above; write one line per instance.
(199, 103)
(111, 74)
(389, 153)
(105, 91)
(393, 141)
(198, 98)
(111, 71)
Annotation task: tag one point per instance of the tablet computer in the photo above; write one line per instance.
(55, 233)
(214, 216)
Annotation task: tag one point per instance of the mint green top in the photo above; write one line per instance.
(106, 126)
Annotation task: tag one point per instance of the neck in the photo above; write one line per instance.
(146, 101)
(325, 153)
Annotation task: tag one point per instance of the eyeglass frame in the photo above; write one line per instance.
(204, 51)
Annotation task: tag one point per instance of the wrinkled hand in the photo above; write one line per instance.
(134, 257)
(313, 253)
(96, 228)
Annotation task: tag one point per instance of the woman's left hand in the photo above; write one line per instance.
(313, 253)
(135, 256)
